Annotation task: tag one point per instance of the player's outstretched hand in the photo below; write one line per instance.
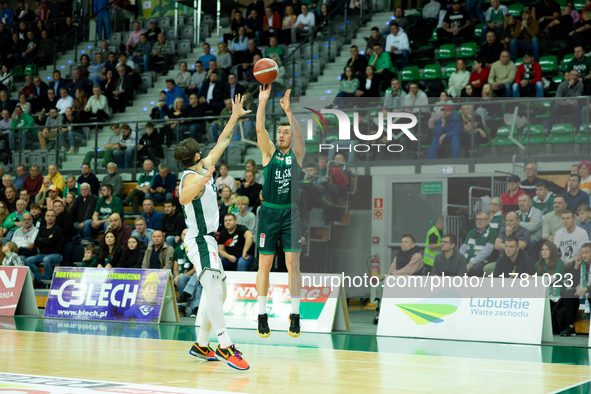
(237, 106)
(285, 100)
(208, 174)
(264, 93)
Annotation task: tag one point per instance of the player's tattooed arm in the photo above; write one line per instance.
(226, 136)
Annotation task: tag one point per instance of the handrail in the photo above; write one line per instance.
(471, 199)
(28, 62)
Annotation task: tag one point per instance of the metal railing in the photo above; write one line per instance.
(453, 222)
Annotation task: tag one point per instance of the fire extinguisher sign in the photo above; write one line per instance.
(378, 208)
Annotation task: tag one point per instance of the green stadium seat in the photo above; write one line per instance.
(421, 49)
(449, 70)
(515, 10)
(332, 138)
(478, 30)
(565, 61)
(31, 69)
(583, 132)
(558, 78)
(518, 62)
(446, 51)
(561, 133)
(549, 64)
(468, 49)
(433, 36)
(536, 135)
(410, 73)
(502, 138)
(579, 5)
(432, 71)
(312, 145)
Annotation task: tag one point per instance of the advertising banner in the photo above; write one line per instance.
(322, 308)
(16, 292)
(470, 313)
(112, 294)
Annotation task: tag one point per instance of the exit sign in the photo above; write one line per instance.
(447, 170)
(432, 188)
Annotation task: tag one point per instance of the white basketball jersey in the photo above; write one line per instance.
(202, 216)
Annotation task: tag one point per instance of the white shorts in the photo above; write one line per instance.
(203, 253)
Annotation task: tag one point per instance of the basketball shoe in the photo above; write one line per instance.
(294, 325)
(202, 352)
(232, 357)
(264, 330)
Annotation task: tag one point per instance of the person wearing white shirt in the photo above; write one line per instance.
(97, 106)
(305, 22)
(225, 180)
(397, 43)
(66, 101)
(570, 238)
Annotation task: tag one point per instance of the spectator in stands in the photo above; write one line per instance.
(134, 37)
(21, 174)
(348, 86)
(529, 184)
(20, 122)
(70, 131)
(32, 182)
(271, 23)
(142, 187)
(581, 33)
(578, 293)
(250, 188)
(575, 197)
(24, 236)
(53, 193)
(197, 79)
(448, 129)
(105, 207)
(531, 219)
(238, 46)
(409, 260)
(14, 220)
(38, 93)
(123, 153)
(159, 255)
(491, 50)
(584, 171)
(570, 238)
(543, 200)
(397, 44)
(183, 78)
(525, 36)
(510, 198)
(305, 23)
(76, 83)
(88, 177)
(449, 262)
(150, 145)
(416, 97)
(570, 88)
(584, 219)
(173, 91)
(96, 108)
(207, 56)
(83, 207)
(123, 90)
(153, 217)
(133, 254)
(66, 101)
(120, 228)
(472, 127)
(196, 128)
(173, 223)
(556, 33)
(369, 86)
(382, 64)
(254, 26)
(244, 217)
(458, 79)
(49, 246)
(553, 220)
(111, 251)
(494, 18)
(24, 104)
(582, 64)
(52, 127)
(161, 51)
(114, 179)
(479, 244)
(545, 11)
(502, 75)
(211, 93)
(514, 260)
(234, 244)
(100, 9)
(393, 97)
(528, 78)
(163, 185)
(71, 186)
(224, 179)
(374, 39)
(456, 23)
(142, 51)
(288, 26)
(224, 57)
(142, 232)
(233, 88)
(512, 227)
(83, 68)
(153, 31)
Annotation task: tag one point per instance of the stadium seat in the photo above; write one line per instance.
(515, 10)
(187, 32)
(565, 61)
(536, 135)
(170, 36)
(312, 145)
(579, 5)
(518, 62)
(561, 133)
(502, 138)
(410, 73)
(583, 133)
(433, 36)
(164, 24)
(332, 138)
(446, 51)
(184, 48)
(468, 49)
(478, 30)
(115, 40)
(432, 71)
(549, 64)
(449, 70)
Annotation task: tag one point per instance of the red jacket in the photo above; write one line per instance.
(536, 73)
(510, 203)
(482, 76)
(276, 21)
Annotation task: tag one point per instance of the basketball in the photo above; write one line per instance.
(265, 71)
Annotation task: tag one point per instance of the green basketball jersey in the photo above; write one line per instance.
(282, 176)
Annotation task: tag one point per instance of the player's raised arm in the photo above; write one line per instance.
(193, 186)
(265, 144)
(299, 145)
(226, 136)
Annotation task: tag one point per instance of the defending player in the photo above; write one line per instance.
(280, 215)
(199, 200)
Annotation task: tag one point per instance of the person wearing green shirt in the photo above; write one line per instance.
(543, 200)
(144, 182)
(14, 221)
(20, 122)
(90, 259)
(107, 205)
(382, 63)
(274, 49)
(71, 186)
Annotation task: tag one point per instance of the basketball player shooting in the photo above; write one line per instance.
(199, 200)
(280, 215)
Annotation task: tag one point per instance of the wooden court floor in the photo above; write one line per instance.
(274, 369)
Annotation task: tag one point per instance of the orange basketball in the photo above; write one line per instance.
(265, 71)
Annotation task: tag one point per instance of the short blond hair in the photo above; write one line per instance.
(242, 200)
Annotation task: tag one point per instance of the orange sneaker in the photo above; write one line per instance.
(203, 352)
(232, 357)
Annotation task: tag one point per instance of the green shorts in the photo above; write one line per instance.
(285, 222)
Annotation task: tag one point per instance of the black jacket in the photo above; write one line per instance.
(173, 226)
(132, 258)
(522, 265)
(127, 86)
(218, 91)
(239, 89)
(83, 209)
(94, 183)
(47, 245)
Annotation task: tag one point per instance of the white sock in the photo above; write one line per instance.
(223, 338)
(295, 305)
(262, 305)
(203, 337)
